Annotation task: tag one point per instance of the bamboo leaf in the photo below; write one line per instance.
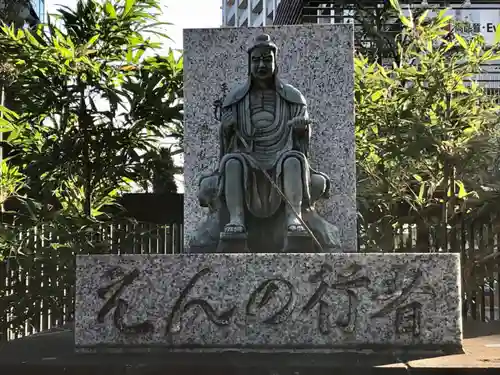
(129, 4)
(423, 17)
(93, 40)
(110, 9)
(377, 95)
(406, 21)
(395, 4)
(461, 41)
(497, 34)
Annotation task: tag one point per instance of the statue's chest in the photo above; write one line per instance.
(262, 108)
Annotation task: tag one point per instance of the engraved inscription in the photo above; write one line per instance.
(111, 293)
(396, 294)
(274, 300)
(346, 283)
(409, 318)
(267, 291)
(174, 320)
(217, 105)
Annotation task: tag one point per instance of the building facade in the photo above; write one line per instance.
(476, 16)
(39, 8)
(22, 12)
(483, 15)
(249, 12)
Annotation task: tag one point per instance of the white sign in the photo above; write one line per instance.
(480, 18)
(477, 18)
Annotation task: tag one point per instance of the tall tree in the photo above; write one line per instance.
(18, 12)
(427, 133)
(377, 29)
(86, 123)
(92, 111)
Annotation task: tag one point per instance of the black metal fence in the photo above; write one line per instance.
(38, 294)
(37, 291)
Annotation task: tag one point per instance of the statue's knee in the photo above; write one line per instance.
(233, 166)
(318, 187)
(208, 191)
(292, 163)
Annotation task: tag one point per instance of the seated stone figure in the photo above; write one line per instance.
(261, 198)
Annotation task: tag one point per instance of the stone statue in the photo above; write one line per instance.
(261, 198)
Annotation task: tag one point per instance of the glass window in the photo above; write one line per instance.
(39, 8)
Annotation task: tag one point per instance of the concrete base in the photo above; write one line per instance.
(389, 303)
(53, 353)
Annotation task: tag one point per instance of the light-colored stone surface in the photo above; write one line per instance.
(318, 60)
(273, 301)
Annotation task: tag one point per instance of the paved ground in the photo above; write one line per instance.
(481, 349)
(53, 353)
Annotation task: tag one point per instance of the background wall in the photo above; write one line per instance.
(318, 60)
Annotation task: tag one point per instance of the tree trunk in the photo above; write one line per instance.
(84, 123)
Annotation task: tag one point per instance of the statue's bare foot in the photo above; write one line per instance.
(297, 238)
(233, 239)
(234, 228)
(296, 228)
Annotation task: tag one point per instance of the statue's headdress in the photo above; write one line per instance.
(263, 40)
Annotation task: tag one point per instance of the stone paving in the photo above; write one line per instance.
(54, 352)
(481, 349)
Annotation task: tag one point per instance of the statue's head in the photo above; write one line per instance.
(262, 57)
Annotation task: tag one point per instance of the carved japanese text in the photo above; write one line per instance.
(111, 293)
(344, 283)
(333, 301)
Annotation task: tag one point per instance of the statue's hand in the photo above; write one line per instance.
(228, 123)
(228, 127)
(299, 124)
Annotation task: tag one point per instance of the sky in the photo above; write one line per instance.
(182, 14)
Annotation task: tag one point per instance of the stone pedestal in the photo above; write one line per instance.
(274, 302)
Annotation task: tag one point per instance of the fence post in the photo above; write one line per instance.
(492, 286)
(3, 307)
(472, 297)
(463, 260)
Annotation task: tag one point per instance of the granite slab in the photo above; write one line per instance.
(268, 301)
(316, 59)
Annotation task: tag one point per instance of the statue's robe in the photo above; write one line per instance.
(265, 146)
(268, 149)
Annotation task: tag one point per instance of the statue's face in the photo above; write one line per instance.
(263, 64)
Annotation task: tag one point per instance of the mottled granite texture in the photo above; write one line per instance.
(318, 60)
(269, 301)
